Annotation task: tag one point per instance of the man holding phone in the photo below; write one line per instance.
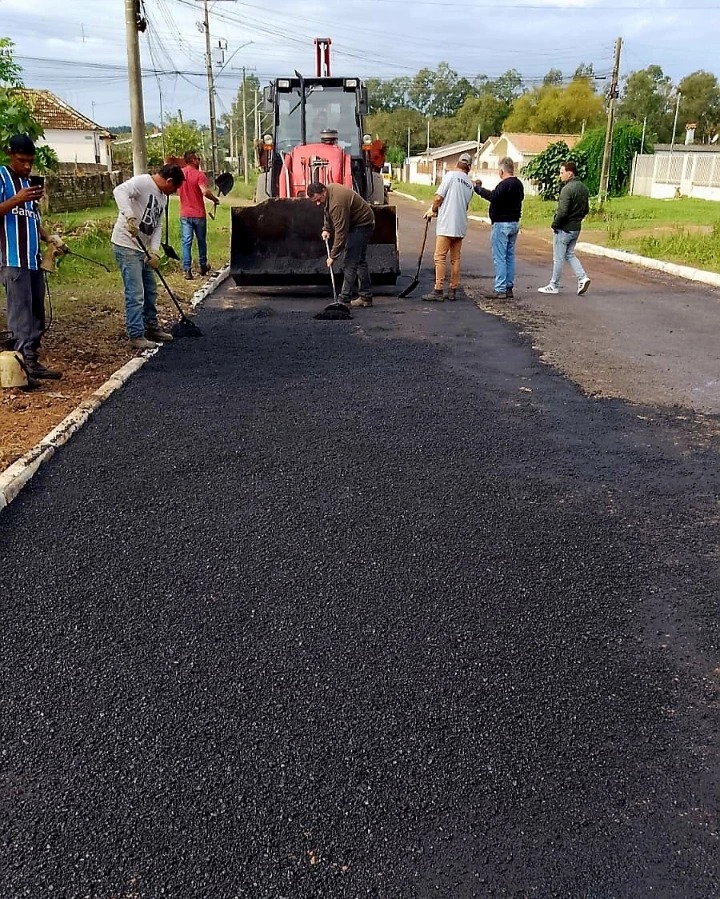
(20, 234)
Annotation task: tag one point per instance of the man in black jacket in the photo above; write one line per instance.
(573, 206)
(505, 210)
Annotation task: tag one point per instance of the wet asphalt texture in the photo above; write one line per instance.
(376, 608)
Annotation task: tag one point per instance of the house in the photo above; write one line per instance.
(429, 167)
(521, 147)
(75, 138)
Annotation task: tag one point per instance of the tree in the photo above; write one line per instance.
(449, 91)
(647, 95)
(544, 168)
(392, 127)
(16, 115)
(507, 87)
(627, 141)
(179, 137)
(550, 109)
(387, 96)
(700, 103)
(485, 113)
(554, 76)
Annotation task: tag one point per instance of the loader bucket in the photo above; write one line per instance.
(278, 243)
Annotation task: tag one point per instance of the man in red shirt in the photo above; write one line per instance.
(193, 218)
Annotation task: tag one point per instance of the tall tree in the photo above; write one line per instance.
(700, 104)
(554, 76)
(485, 113)
(647, 95)
(387, 95)
(550, 109)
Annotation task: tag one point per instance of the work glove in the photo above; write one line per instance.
(325, 235)
(153, 261)
(132, 225)
(430, 214)
(58, 244)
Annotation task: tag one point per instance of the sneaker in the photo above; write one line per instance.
(435, 297)
(548, 289)
(452, 294)
(583, 285)
(158, 334)
(361, 302)
(37, 371)
(188, 275)
(205, 269)
(142, 343)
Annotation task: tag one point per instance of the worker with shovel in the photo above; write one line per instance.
(351, 222)
(136, 240)
(20, 273)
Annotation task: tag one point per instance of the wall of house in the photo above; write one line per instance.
(78, 146)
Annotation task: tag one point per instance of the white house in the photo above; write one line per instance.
(521, 147)
(429, 167)
(74, 137)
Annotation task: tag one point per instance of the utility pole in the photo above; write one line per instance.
(607, 151)
(211, 92)
(245, 144)
(133, 24)
(677, 110)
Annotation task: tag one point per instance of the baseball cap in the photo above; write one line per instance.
(21, 143)
(465, 159)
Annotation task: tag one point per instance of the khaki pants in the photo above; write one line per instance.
(443, 245)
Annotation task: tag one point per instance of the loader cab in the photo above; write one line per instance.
(303, 109)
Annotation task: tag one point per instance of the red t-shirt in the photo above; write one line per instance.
(192, 201)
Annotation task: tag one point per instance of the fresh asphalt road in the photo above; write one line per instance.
(377, 608)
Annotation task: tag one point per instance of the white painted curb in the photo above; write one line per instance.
(670, 268)
(14, 478)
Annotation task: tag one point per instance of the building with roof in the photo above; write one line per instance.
(74, 137)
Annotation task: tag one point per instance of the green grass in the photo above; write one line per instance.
(686, 231)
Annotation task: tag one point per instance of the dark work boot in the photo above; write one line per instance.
(38, 371)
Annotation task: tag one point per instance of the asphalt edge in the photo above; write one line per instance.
(17, 475)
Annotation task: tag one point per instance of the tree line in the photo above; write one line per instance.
(455, 108)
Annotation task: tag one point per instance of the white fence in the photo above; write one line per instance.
(665, 175)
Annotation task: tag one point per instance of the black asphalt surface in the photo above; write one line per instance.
(375, 608)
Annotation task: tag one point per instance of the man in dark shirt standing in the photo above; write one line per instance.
(573, 206)
(505, 210)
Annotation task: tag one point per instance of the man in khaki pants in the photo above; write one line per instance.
(450, 206)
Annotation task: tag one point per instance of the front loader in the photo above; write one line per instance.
(317, 135)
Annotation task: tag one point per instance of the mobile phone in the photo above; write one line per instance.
(36, 181)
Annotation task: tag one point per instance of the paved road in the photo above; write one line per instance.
(382, 608)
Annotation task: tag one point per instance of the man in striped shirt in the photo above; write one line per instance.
(20, 234)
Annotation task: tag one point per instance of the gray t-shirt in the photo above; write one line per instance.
(140, 198)
(456, 189)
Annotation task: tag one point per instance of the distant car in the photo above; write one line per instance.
(387, 176)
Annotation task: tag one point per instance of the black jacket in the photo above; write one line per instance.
(573, 206)
(505, 200)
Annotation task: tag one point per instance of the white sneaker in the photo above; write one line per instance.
(548, 289)
(583, 286)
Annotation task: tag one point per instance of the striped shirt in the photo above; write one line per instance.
(19, 228)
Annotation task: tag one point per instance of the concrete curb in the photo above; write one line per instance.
(670, 268)
(17, 475)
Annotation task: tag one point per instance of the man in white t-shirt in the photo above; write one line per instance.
(450, 206)
(141, 202)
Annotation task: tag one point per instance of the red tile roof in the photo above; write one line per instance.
(52, 113)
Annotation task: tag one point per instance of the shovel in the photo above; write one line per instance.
(416, 280)
(189, 328)
(166, 248)
(224, 183)
(335, 306)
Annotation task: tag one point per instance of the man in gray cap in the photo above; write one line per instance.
(450, 207)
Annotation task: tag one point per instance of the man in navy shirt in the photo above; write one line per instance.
(20, 274)
(505, 210)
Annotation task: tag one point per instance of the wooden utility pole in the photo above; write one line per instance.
(211, 92)
(245, 143)
(607, 151)
(133, 24)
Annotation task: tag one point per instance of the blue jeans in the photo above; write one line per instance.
(564, 251)
(140, 290)
(198, 227)
(502, 240)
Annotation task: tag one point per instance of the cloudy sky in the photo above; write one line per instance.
(77, 48)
